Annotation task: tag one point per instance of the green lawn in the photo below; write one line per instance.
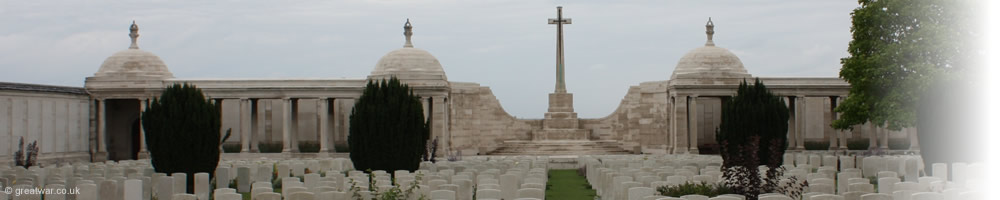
(566, 184)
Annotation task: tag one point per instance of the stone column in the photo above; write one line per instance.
(246, 128)
(828, 117)
(800, 119)
(439, 124)
(693, 125)
(143, 153)
(425, 102)
(668, 143)
(680, 124)
(102, 131)
(884, 137)
(872, 135)
(843, 133)
(324, 129)
(286, 127)
(790, 104)
(914, 141)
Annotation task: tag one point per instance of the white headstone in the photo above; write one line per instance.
(201, 186)
(108, 190)
(180, 182)
(88, 191)
(133, 189)
(165, 188)
(243, 179)
(222, 178)
(509, 185)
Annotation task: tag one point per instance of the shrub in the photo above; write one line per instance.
(753, 132)
(182, 132)
(817, 145)
(308, 147)
(388, 131)
(688, 188)
(269, 147)
(23, 159)
(858, 143)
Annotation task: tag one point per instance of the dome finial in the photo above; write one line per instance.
(408, 31)
(134, 34)
(710, 30)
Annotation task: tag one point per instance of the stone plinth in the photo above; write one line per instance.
(561, 134)
(561, 102)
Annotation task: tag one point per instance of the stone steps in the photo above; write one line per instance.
(559, 147)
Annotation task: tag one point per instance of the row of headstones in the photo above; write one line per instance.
(381, 177)
(615, 183)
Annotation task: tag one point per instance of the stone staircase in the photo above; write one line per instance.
(559, 147)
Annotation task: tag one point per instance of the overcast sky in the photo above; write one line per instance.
(504, 44)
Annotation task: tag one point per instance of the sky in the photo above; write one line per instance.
(506, 45)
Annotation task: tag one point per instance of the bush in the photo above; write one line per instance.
(817, 145)
(753, 132)
(269, 147)
(26, 159)
(232, 147)
(182, 132)
(858, 143)
(308, 147)
(688, 188)
(388, 131)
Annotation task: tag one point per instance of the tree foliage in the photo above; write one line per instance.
(182, 132)
(753, 132)
(900, 48)
(388, 131)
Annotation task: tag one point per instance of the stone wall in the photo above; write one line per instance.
(478, 122)
(58, 119)
(640, 123)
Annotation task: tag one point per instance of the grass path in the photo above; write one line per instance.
(566, 184)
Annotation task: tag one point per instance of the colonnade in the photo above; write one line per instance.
(685, 115)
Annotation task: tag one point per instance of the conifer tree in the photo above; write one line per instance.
(182, 132)
(388, 131)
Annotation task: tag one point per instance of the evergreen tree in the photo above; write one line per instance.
(388, 131)
(753, 132)
(182, 132)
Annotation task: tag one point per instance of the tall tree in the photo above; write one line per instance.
(753, 132)
(900, 49)
(388, 131)
(182, 132)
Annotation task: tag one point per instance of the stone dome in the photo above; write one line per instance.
(710, 61)
(134, 62)
(409, 62)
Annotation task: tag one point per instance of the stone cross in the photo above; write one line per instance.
(560, 68)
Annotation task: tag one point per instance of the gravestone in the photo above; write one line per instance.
(165, 188)
(222, 178)
(283, 170)
(108, 190)
(180, 182)
(264, 173)
(243, 179)
(133, 189)
(201, 185)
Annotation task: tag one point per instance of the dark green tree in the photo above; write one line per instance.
(900, 49)
(388, 131)
(753, 132)
(182, 132)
